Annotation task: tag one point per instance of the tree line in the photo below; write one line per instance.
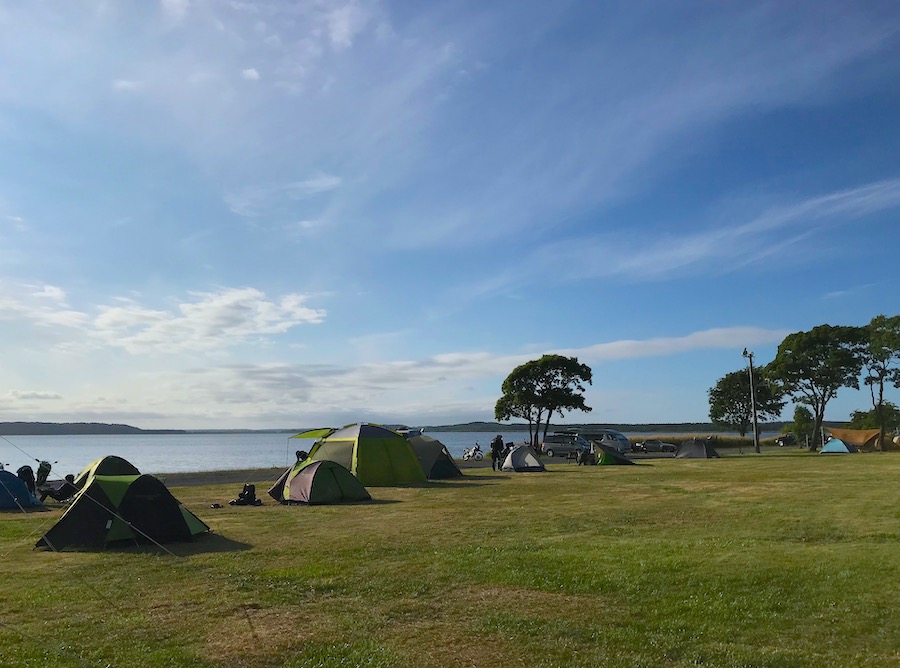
(809, 368)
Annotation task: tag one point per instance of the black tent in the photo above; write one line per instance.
(434, 458)
(696, 449)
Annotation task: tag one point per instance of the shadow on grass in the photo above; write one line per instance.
(210, 543)
(469, 480)
(26, 510)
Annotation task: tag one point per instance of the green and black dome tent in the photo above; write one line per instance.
(108, 465)
(122, 508)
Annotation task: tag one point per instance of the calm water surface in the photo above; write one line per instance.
(177, 453)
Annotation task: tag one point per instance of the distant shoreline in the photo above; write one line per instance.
(100, 428)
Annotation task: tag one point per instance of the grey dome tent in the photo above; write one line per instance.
(696, 449)
(434, 458)
(318, 482)
(522, 459)
(836, 446)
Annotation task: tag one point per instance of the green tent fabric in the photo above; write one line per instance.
(607, 458)
(376, 456)
(108, 465)
(434, 458)
(317, 483)
(133, 508)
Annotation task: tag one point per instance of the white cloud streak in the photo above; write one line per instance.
(211, 321)
(718, 248)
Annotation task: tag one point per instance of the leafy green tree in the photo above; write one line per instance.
(534, 391)
(889, 420)
(812, 366)
(730, 406)
(804, 425)
(880, 357)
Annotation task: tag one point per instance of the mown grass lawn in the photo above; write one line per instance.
(782, 559)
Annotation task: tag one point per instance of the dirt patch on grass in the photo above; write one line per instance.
(255, 636)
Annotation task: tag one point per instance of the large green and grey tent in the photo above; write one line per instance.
(434, 458)
(696, 449)
(122, 508)
(375, 455)
(108, 465)
(318, 482)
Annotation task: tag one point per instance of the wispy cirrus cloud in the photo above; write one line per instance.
(256, 201)
(718, 247)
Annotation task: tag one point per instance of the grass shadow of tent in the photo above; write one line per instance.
(208, 543)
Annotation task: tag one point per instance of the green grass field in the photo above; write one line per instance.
(782, 559)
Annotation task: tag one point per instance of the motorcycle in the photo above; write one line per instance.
(474, 453)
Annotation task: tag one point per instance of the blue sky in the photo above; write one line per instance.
(275, 214)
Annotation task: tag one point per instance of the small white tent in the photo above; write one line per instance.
(522, 458)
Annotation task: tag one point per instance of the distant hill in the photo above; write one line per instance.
(89, 428)
(75, 428)
(661, 428)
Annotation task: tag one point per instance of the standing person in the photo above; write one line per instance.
(496, 452)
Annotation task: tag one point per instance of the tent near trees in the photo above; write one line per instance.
(812, 366)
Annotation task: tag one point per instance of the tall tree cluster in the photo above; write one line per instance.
(810, 367)
(534, 391)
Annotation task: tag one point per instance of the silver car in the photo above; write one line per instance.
(556, 445)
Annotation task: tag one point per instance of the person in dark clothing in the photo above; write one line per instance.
(26, 475)
(496, 452)
(63, 493)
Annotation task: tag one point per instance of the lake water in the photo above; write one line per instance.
(177, 453)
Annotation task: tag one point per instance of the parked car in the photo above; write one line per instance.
(609, 438)
(655, 445)
(785, 439)
(563, 444)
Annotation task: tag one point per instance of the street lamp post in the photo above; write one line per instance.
(749, 356)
